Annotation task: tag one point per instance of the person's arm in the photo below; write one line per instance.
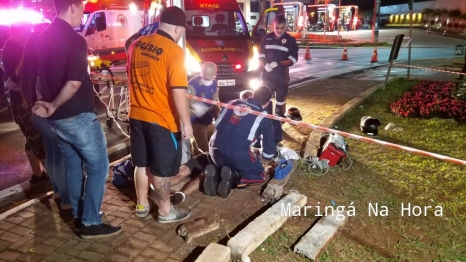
(65, 94)
(178, 83)
(262, 59)
(11, 85)
(292, 54)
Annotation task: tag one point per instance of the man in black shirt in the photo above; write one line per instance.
(68, 103)
(11, 56)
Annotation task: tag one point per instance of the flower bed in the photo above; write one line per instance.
(433, 99)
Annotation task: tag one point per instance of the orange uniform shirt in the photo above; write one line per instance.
(156, 65)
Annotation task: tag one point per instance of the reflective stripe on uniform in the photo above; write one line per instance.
(280, 103)
(277, 47)
(292, 59)
(267, 156)
(257, 122)
(222, 114)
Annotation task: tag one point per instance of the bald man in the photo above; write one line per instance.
(203, 114)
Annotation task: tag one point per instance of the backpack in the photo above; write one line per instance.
(123, 173)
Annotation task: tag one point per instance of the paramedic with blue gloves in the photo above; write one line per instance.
(278, 51)
(230, 145)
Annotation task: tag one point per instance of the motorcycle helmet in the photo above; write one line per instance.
(293, 114)
(369, 125)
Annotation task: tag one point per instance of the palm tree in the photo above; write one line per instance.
(427, 12)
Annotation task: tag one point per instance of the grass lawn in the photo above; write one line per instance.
(390, 178)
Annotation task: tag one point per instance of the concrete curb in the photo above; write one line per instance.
(215, 252)
(43, 196)
(257, 231)
(313, 142)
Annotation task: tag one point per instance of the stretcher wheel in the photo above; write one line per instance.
(110, 123)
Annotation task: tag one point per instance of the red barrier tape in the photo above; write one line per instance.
(431, 69)
(341, 133)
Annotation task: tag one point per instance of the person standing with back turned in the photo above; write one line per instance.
(158, 86)
(278, 51)
(68, 104)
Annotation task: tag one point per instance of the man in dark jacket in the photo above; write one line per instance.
(230, 145)
(278, 51)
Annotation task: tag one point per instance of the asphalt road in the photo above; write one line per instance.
(325, 63)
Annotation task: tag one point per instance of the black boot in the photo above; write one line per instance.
(211, 180)
(229, 179)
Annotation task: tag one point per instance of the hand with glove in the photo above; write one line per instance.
(268, 68)
(273, 64)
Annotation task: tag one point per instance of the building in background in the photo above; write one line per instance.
(436, 13)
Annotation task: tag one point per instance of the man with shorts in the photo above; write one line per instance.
(158, 101)
(278, 51)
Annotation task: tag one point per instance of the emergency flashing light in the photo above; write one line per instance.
(238, 66)
(12, 16)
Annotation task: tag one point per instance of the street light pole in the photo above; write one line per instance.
(375, 21)
(410, 5)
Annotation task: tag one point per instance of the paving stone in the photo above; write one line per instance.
(117, 221)
(73, 252)
(25, 214)
(170, 259)
(109, 207)
(31, 257)
(76, 260)
(67, 246)
(10, 237)
(157, 244)
(137, 243)
(9, 255)
(117, 257)
(54, 242)
(20, 230)
(15, 219)
(115, 201)
(6, 225)
(57, 257)
(90, 255)
(43, 249)
(4, 245)
(121, 238)
(82, 245)
(154, 254)
(134, 222)
(141, 259)
(121, 214)
(99, 248)
(144, 236)
(129, 251)
(31, 244)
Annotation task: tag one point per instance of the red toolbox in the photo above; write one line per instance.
(332, 154)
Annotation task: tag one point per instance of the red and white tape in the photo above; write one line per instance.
(344, 134)
(431, 69)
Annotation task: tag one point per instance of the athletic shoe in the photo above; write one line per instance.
(177, 198)
(224, 188)
(211, 180)
(98, 231)
(175, 215)
(142, 211)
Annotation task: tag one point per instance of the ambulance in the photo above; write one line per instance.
(107, 24)
(220, 35)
